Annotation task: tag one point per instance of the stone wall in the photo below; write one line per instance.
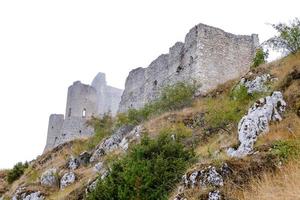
(208, 57)
(108, 98)
(83, 102)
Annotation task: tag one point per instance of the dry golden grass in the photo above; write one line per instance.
(288, 128)
(281, 68)
(284, 185)
(84, 175)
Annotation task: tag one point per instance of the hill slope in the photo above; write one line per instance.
(207, 128)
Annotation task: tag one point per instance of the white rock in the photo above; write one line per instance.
(34, 196)
(256, 85)
(214, 178)
(48, 178)
(120, 139)
(214, 195)
(73, 163)
(67, 179)
(256, 122)
(193, 178)
(99, 167)
(206, 177)
(91, 187)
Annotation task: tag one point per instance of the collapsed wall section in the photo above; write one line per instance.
(208, 57)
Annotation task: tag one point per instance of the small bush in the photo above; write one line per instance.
(16, 172)
(102, 126)
(286, 149)
(173, 97)
(288, 38)
(229, 108)
(260, 58)
(148, 172)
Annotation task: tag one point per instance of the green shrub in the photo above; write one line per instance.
(172, 97)
(288, 38)
(103, 127)
(16, 172)
(229, 108)
(286, 149)
(149, 171)
(260, 57)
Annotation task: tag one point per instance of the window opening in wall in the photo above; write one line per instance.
(179, 69)
(155, 83)
(79, 131)
(84, 112)
(69, 113)
(191, 60)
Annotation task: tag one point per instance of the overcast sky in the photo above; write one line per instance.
(46, 45)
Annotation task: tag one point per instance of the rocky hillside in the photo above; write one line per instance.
(240, 141)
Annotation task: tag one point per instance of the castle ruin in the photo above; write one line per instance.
(208, 57)
(83, 102)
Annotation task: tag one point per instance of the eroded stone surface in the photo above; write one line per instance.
(49, 178)
(256, 85)
(67, 179)
(214, 195)
(83, 102)
(256, 122)
(92, 186)
(208, 176)
(100, 168)
(22, 194)
(114, 141)
(208, 57)
(73, 163)
(34, 196)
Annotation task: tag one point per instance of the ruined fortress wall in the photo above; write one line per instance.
(83, 102)
(108, 97)
(99, 83)
(208, 57)
(54, 127)
(113, 98)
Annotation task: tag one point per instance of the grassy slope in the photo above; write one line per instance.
(210, 143)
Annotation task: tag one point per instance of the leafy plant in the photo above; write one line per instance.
(102, 126)
(229, 108)
(16, 172)
(286, 149)
(172, 97)
(148, 172)
(260, 57)
(288, 38)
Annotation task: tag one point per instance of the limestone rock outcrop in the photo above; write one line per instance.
(49, 178)
(214, 195)
(256, 122)
(67, 179)
(73, 163)
(22, 194)
(111, 142)
(34, 196)
(256, 85)
(209, 176)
